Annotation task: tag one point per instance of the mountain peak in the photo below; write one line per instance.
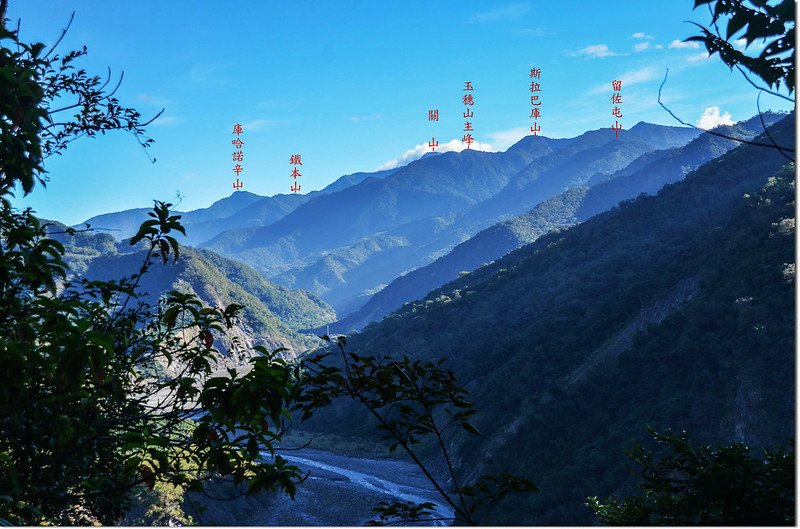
(241, 194)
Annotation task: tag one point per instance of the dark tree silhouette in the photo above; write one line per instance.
(751, 20)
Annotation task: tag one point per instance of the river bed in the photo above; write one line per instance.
(340, 490)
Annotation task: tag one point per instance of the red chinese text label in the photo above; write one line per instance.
(295, 160)
(238, 155)
(616, 111)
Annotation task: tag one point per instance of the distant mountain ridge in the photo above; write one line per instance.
(240, 209)
(646, 174)
(346, 246)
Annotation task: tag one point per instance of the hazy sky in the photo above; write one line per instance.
(348, 85)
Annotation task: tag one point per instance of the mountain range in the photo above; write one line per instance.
(351, 239)
(646, 174)
(673, 310)
(582, 289)
(239, 210)
(272, 315)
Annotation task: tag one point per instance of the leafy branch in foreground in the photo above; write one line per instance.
(758, 21)
(775, 64)
(101, 392)
(47, 103)
(700, 485)
(411, 401)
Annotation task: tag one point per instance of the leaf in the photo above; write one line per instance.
(148, 475)
(164, 246)
(470, 428)
(101, 340)
(207, 337)
(737, 22)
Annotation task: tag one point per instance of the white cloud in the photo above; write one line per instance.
(641, 46)
(370, 117)
(629, 78)
(640, 35)
(500, 141)
(420, 150)
(659, 47)
(702, 56)
(503, 139)
(595, 50)
(509, 11)
(154, 100)
(208, 74)
(711, 117)
(680, 45)
(166, 121)
(741, 45)
(256, 124)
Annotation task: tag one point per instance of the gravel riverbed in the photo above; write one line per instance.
(340, 490)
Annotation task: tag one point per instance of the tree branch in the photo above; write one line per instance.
(63, 33)
(713, 133)
(766, 131)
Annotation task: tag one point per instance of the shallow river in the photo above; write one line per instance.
(405, 481)
(340, 490)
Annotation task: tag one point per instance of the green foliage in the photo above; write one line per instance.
(22, 100)
(404, 511)
(271, 315)
(700, 485)
(296, 309)
(755, 20)
(160, 506)
(83, 418)
(35, 88)
(100, 391)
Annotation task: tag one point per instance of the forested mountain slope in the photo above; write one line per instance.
(646, 174)
(674, 310)
(272, 314)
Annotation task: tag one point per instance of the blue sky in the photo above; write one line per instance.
(348, 85)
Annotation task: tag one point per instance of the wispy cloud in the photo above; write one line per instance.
(711, 117)
(150, 99)
(418, 151)
(595, 50)
(628, 78)
(370, 117)
(641, 46)
(702, 56)
(680, 45)
(257, 124)
(166, 121)
(501, 13)
(640, 35)
(503, 139)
